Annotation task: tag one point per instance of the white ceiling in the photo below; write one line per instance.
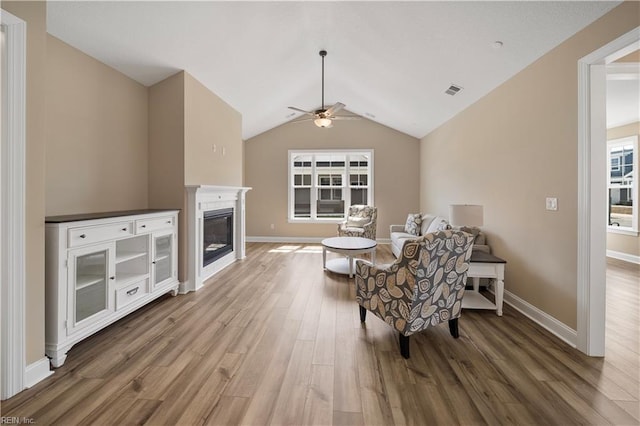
(390, 61)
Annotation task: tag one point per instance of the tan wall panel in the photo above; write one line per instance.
(34, 14)
(266, 155)
(96, 135)
(210, 121)
(166, 154)
(509, 151)
(617, 242)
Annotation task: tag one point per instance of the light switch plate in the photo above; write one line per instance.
(552, 203)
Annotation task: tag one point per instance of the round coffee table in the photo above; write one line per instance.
(350, 247)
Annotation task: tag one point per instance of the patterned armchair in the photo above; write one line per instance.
(422, 288)
(361, 222)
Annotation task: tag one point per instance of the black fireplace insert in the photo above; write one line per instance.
(217, 235)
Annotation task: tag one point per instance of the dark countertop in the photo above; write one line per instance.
(102, 215)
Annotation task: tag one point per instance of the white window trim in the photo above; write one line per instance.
(290, 206)
(629, 140)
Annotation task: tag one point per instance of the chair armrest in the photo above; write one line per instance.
(396, 228)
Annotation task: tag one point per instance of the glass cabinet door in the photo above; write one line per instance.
(163, 258)
(89, 284)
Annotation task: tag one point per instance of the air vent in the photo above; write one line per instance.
(453, 90)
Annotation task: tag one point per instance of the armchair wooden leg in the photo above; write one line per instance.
(363, 314)
(404, 346)
(453, 328)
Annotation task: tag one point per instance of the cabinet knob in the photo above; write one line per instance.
(124, 229)
(112, 278)
(168, 221)
(143, 226)
(83, 236)
(154, 262)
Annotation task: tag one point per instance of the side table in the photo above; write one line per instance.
(485, 265)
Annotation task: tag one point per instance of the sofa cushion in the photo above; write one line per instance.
(412, 226)
(438, 223)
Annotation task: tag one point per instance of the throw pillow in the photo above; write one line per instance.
(413, 224)
(357, 222)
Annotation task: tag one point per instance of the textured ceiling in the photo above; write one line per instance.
(389, 61)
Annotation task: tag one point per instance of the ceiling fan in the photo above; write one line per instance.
(324, 117)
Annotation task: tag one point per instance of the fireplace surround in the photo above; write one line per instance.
(204, 203)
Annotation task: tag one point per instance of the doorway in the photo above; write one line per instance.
(592, 203)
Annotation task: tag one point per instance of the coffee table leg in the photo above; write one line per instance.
(324, 258)
(350, 260)
(373, 256)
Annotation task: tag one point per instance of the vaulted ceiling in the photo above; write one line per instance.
(388, 61)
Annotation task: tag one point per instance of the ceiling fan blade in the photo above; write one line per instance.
(346, 117)
(335, 108)
(303, 111)
(302, 120)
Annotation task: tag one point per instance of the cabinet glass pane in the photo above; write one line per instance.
(163, 258)
(91, 284)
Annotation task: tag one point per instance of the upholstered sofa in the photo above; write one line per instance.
(432, 223)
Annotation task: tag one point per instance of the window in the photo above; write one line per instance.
(622, 184)
(323, 184)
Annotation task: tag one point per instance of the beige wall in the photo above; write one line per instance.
(96, 156)
(166, 154)
(166, 143)
(395, 174)
(34, 14)
(185, 120)
(626, 244)
(210, 122)
(509, 151)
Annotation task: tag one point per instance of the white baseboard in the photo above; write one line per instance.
(299, 240)
(559, 329)
(36, 372)
(623, 256)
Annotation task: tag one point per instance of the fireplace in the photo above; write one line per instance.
(215, 231)
(217, 235)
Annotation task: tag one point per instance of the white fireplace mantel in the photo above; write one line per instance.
(202, 198)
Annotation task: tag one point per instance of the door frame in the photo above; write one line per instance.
(592, 202)
(12, 212)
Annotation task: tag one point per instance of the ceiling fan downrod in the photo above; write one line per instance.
(323, 53)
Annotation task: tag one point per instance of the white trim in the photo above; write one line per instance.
(299, 240)
(12, 212)
(631, 258)
(617, 230)
(551, 324)
(36, 372)
(591, 195)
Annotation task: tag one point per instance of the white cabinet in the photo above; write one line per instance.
(101, 267)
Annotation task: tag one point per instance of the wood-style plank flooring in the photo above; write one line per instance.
(276, 340)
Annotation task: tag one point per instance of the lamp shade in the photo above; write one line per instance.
(322, 122)
(465, 215)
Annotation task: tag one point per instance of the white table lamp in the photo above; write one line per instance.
(465, 215)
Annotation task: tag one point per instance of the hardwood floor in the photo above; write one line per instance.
(276, 340)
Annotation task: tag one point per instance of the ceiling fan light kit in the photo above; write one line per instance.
(324, 117)
(322, 122)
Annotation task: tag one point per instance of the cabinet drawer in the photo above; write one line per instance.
(154, 224)
(131, 293)
(95, 234)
